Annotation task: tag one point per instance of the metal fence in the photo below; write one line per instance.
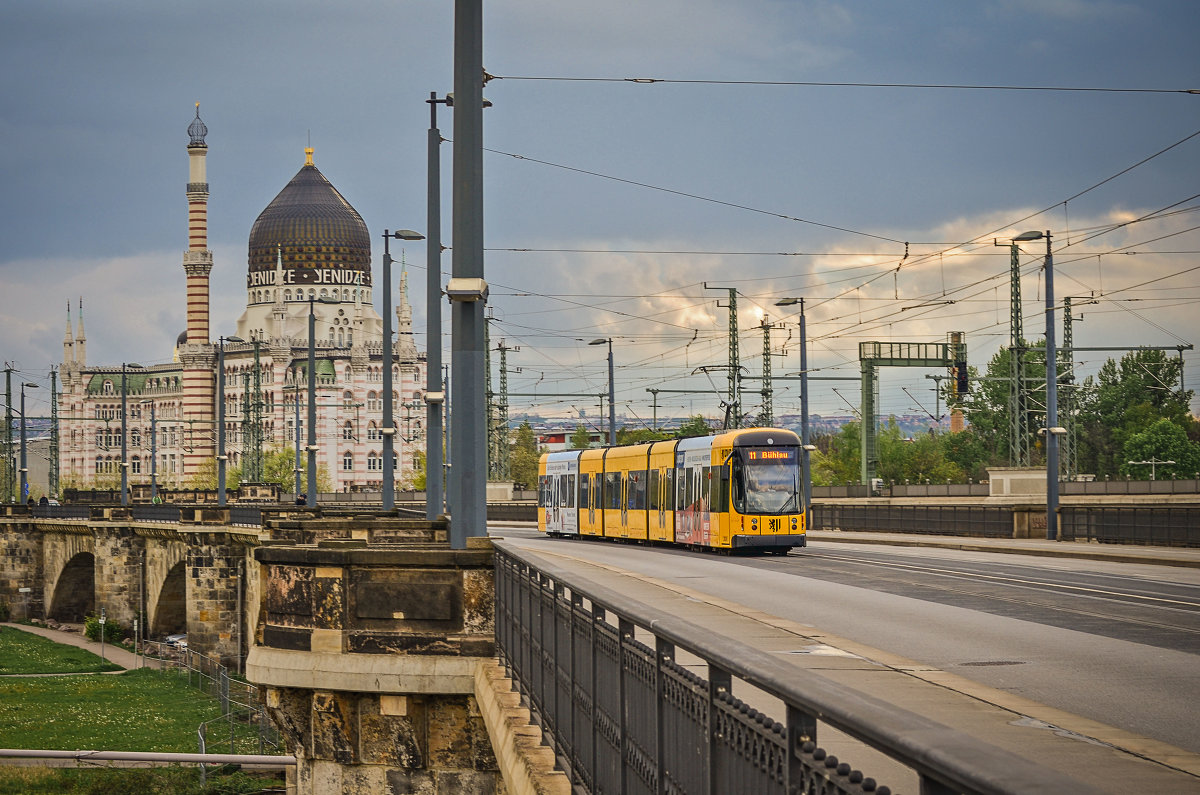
(1174, 526)
(988, 521)
(244, 726)
(624, 717)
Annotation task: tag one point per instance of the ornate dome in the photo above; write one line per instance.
(324, 240)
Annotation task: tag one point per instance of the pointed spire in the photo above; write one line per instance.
(278, 273)
(68, 340)
(81, 339)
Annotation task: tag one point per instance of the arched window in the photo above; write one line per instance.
(348, 430)
(341, 339)
(324, 293)
(373, 463)
(135, 465)
(287, 295)
(348, 461)
(372, 432)
(348, 399)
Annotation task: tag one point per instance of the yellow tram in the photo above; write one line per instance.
(737, 490)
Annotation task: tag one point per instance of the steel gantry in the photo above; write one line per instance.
(873, 355)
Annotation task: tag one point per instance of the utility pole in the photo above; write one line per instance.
(54, 461)
(503, 467)
(735, 401)
(1018, 402)
(766, 417)
(1070, 456)
(8, 436)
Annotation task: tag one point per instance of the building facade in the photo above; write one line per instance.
(308, 251)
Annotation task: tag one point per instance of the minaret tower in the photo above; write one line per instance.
(196, 355)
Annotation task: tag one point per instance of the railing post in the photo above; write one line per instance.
(598, 618)
(800, 727)
(663, 651)
(719, 681)
(625, 630)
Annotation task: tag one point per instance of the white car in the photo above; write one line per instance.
(177, 641)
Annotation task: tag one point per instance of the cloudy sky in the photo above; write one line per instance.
(786, 152)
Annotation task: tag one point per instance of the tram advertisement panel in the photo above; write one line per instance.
(693, 468)
(561, 487)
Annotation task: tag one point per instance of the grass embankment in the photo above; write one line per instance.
(27, 653)
(142, 710)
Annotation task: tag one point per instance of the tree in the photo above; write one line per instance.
(988, 410)
(1164, 441)
(836, 460)
(641, 435)
(1130, 396)
(523, 461)
(581, 439)
(694, 426)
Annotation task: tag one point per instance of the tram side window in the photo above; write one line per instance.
(652, 486)
(636, 497)
(669, 491)
(542, 483)
(583, 491)
(569, 491)
(612, 490)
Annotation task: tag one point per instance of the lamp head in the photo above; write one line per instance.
(788, 301)
(407, 234)
(29, 384)
(601, 341)
(1025, 237)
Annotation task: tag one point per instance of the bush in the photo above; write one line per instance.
(113, 631)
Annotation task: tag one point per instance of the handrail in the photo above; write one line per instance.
(945, 759)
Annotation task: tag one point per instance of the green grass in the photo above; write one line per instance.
(126, 781)
(142, 710)
(27, 653)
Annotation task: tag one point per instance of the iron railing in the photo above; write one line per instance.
(1173, 526)
(988, 521)
(156, 513)
(623, 717)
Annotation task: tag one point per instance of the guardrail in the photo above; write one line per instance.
(623, 716)
(988, 521)
(156, 513)
(1172, 526)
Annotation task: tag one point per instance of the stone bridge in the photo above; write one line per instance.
(197, 575)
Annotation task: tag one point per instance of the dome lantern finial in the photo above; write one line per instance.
(197, 130)
(308, 153)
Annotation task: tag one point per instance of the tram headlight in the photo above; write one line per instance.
(794, 522)
(754, 523)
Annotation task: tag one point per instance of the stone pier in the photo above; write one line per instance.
(369, 653)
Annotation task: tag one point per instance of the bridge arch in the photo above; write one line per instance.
(74, 594)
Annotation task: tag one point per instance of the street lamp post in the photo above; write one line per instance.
(311, 447)
(1051, 391)
(389, 427)
(24, 465)
(435, 394)
(221, 416)
(124, 445)
(153, 452)
(297, 469)
(612, 411)
(806, 446)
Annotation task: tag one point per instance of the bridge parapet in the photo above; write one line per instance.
(369, 654)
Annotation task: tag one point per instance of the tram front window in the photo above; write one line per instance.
(772, 481)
